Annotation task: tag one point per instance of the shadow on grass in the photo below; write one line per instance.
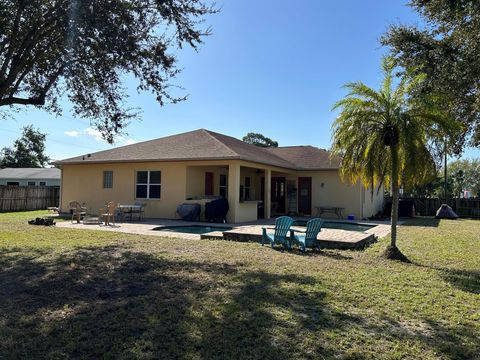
(465, 280)
(454, 341)
(322, 253)
(97, 302)
(421, 221)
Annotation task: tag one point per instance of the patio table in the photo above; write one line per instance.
(130, 209)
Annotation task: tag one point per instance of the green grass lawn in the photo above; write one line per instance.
(68, 293)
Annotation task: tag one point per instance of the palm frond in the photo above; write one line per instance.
(366, 114)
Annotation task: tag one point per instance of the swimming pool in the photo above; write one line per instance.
(193, 229)
(349, 226)
(205, 229)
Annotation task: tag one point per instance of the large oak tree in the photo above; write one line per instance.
(85, 49)
(447, 49)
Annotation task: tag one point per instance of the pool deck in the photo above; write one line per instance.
(329, 238)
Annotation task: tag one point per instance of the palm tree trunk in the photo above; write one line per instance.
(392, 252)
(395, 195)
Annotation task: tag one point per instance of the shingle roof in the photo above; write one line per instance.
(30, 173)
(194, 145)
(307, 157)
(208, 145)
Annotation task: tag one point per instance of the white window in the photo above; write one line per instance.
(148, 185)
(108, 179)
(31, 183)
(43, 183)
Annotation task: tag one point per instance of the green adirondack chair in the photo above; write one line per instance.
(279, 236)
(308, 239)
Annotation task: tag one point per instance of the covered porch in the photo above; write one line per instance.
(253, 191)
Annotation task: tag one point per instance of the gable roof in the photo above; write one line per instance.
(208, 145)
(308, 157)
(30, 173)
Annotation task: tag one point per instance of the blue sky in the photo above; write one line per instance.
(271, 66)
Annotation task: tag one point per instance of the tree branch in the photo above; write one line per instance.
(40, 100)
(13, 34)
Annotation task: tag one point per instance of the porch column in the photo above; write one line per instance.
(233, 192)
(268, 193)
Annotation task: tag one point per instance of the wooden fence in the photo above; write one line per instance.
(469, 208)
(24, 198)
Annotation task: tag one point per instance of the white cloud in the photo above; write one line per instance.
(95, 133)
(72, 133)
(119, 140)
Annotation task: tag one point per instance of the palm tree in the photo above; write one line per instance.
(384, 135)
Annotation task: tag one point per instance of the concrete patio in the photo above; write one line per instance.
(249, 231)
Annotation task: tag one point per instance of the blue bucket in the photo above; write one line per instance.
(351, 217)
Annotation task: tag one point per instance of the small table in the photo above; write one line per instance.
(330, 209)
(131, 209)
(91, 220)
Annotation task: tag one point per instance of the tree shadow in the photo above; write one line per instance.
(265, 316)
(108, 301)
(95, 301)
(465, 280)
(312, 252)
(421, 221)
(454, 341)
(332, 254)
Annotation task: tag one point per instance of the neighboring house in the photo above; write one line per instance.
(30, 176)
(196, 166)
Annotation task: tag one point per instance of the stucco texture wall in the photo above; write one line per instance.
(195, 182)
(333, 192)
(328, 189)
(84, 183)
(181, 180)
(372, 202)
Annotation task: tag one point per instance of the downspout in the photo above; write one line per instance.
(361, 201)
(61, 191)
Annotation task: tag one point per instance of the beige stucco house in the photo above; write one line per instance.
(196, 166)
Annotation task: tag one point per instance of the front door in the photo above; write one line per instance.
(278, 195)
(305, 195)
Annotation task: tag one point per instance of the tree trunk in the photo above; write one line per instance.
(395, 195)
(392, 252)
